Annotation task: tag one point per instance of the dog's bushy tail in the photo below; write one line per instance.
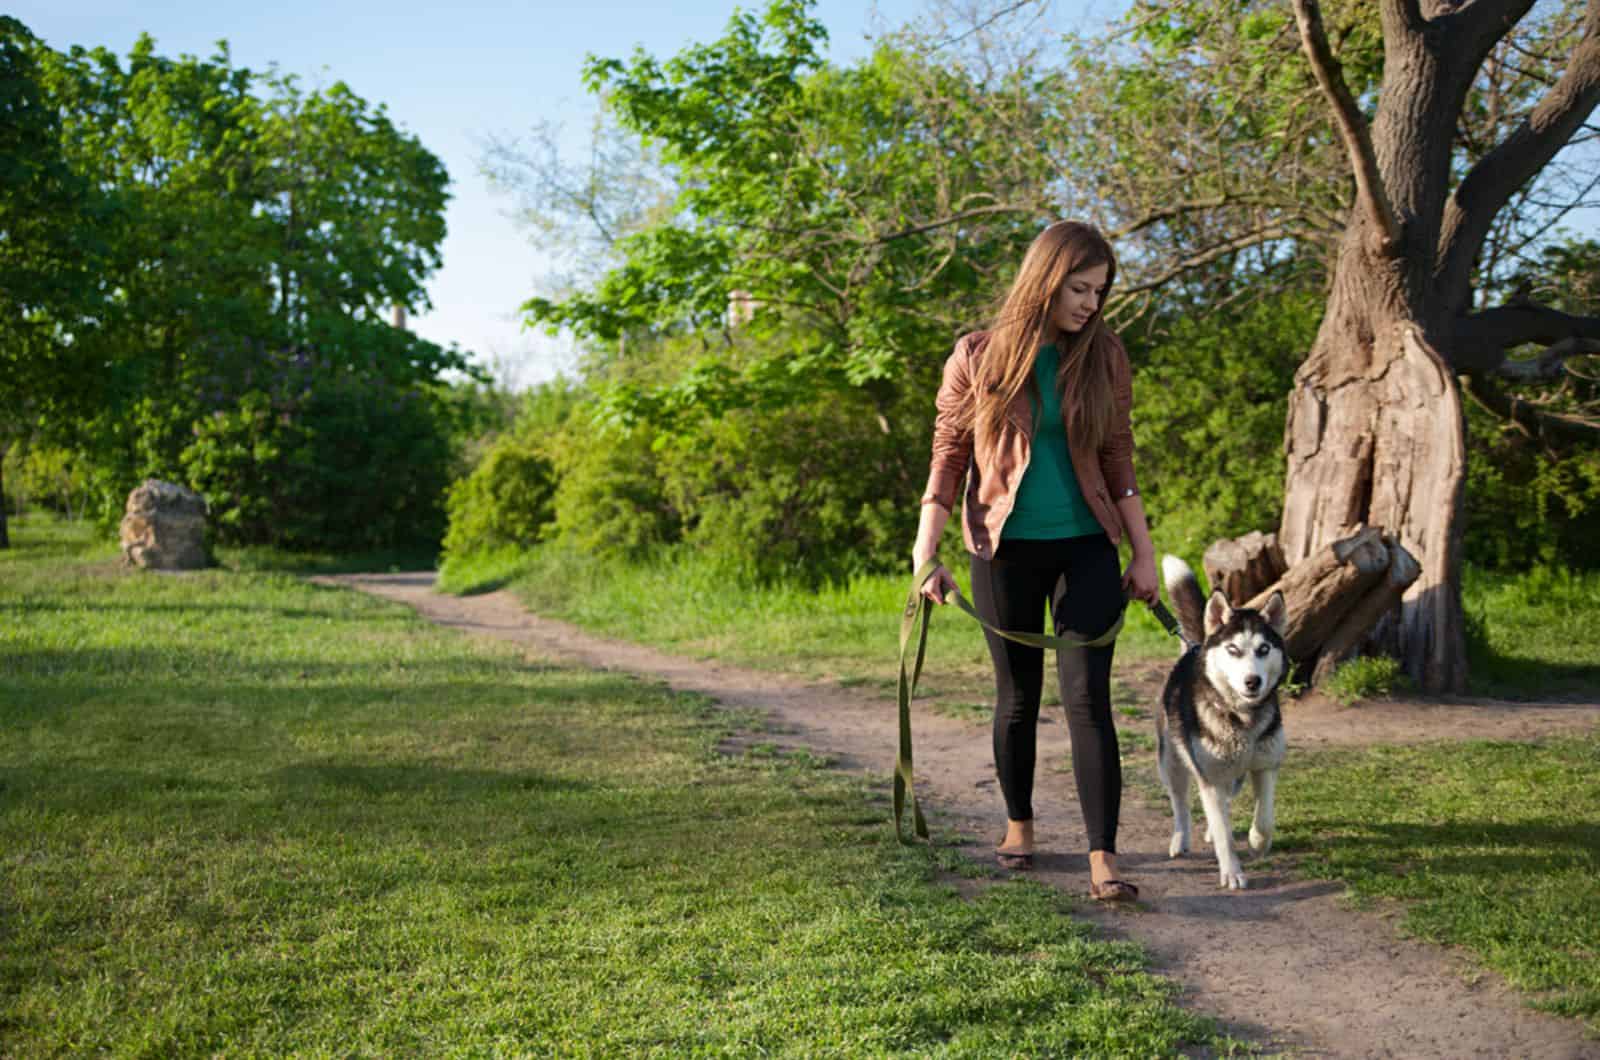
(1184, 592)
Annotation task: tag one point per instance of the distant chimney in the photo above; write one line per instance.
(741, 308)
(399, 317)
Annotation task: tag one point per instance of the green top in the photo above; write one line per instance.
(1049, 503)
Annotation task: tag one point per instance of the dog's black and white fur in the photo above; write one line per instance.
(1220, 718)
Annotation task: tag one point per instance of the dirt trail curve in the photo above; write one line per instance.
(1284, 964)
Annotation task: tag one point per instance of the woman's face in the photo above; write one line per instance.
(1078, 298)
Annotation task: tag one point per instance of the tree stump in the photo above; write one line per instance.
(1242, 566)
(1337, 594)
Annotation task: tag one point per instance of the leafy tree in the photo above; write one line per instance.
(867, 210)
(255, 236)
(1461, 129)
(1210, 395)
(46, 291)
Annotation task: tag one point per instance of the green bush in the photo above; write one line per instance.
(819, 490)
(507, 500)
(610, 501)
(1367, 677)
(354, 465)
(1526, 506)
(46, 476)
(506, 495)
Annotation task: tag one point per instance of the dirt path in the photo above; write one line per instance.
(1284, 964)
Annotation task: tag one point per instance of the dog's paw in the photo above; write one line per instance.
(1179, 845)
(1232, 879)
(1260, 842)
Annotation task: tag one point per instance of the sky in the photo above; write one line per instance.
(453, 74)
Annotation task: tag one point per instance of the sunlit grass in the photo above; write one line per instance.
(240, 814)
(686, 604)
(1533, 634)
(1491, 846)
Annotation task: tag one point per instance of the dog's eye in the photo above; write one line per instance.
(1233, 650)
(1263, 650)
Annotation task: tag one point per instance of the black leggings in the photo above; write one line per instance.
(1080, 579)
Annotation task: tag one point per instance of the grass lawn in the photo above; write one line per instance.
(1490, 846)
(241, 814)
(1534, 635)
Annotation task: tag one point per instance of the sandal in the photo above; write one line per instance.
(1015, 860)
(1114, 891)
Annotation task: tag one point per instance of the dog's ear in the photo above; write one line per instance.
(1217, 612)
(1276, 612)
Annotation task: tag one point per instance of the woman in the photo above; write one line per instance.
(1034, 413)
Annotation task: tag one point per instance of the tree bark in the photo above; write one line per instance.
(1401, 571)
(1376, 436)
(1242, 566)
(1322, 589)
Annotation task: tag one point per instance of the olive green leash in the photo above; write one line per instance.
(915, 616)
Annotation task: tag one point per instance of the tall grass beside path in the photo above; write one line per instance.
(690, 606)
(240, 814)
(1532, 635)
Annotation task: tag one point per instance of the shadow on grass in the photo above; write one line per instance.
(487, 585)
(1457, 848)
(381, 780)
(1491, 673)
(23, 608)
(277, 561)
(89, 790)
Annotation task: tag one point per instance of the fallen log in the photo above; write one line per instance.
(1326, 586)
(1242, 566)
(1360, 620)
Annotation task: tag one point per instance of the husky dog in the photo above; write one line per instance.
(1219, 718)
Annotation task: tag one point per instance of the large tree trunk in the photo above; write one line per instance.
(1375, 433)
(1375, 436)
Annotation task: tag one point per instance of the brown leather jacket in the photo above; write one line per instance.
(995, 474)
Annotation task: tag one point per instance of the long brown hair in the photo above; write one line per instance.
(1023, 324)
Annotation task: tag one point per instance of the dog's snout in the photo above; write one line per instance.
(1252, 683)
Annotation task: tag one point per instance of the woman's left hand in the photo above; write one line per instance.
(1139, 580)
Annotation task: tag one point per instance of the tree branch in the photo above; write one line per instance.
(1549, 427)
(1550, 364)
(1407, 13)
(1205, 257)
(1480, 341)
(945, 222)
(1478, 24)
(985, 24)
(1489, 185)
(1352, 127)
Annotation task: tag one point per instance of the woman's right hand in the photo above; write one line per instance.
(938, 584)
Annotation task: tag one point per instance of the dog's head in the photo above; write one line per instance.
(1243, 650)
